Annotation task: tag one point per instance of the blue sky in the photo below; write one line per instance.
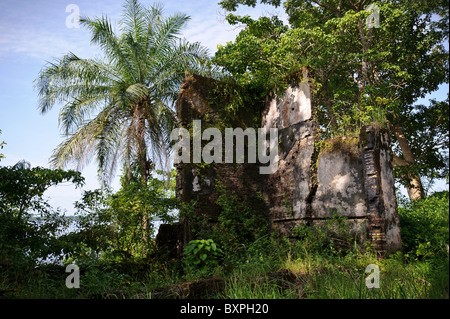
(34, 31)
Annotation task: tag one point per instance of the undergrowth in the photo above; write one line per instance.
(270, 266)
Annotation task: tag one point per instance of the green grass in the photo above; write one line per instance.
(319, 277)
(315, 276)
(272, 268)
(400, 281)
(240, 287)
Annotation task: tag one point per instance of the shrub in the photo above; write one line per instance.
(29, 226)
(239, 225)
(201, 254)
(425, 226)
(334, 236)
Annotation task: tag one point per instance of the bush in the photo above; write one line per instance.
(424, 226)
(119, 226)
(334, 236)
(201, 254)
(29, 226)
(238, 224)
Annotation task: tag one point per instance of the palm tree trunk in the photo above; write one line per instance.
(143, 165)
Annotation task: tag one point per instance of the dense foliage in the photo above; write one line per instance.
(110, 224)
(103, 238)
(24, 239)
(322, 262)
(425, 226)
(362, 71)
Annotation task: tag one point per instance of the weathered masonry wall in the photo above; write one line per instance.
(197, 182)
(345, 176)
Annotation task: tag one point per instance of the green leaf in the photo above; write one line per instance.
(188, 249)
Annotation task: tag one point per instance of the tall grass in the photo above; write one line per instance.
(319, 277)
(241, 287)
(310, 267)
(347, 283)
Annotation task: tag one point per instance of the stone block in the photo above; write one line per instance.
(340, 187)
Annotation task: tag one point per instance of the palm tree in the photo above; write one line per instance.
(120, 109)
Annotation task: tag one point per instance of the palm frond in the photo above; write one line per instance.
(104, 36)
(69, 77)
(73, 114)
(78, 147)
(134, 19)
(166, 33)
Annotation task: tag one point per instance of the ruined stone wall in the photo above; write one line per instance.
(347, 176)
(290, 189)
(197, 182)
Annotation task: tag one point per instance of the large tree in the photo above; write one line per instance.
(369, 63)
(118, 108)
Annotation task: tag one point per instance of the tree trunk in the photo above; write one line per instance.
(414, 188)
(144, 169)
(365, 42)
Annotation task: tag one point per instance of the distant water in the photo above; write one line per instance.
(72, 227)
(73, 224)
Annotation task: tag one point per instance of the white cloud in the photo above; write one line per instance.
(210, 27)
(38, 30)
(41, 45)
(210, 33)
